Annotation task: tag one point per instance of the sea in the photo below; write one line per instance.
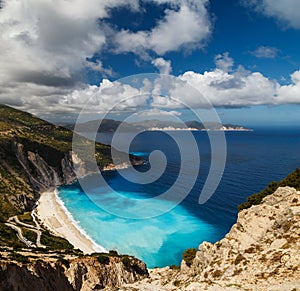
(253, 160)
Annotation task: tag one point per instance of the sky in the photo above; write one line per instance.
(243, 58)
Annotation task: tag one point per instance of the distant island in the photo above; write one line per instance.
(221, 128)
(110, 125)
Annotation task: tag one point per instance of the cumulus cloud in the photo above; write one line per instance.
(186, 26)
(156, 114)
(163, 66)
(224, 62)
(219, 87)
(285, 11)
(44, 46)
(290, 93)
(108, 96)
(265, 52)
(251, 88)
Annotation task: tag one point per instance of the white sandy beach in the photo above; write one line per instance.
(53, 215)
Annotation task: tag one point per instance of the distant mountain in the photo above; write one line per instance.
(107, 125)
(110, 125)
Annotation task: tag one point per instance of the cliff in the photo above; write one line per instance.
(35, 156)
(261, 252)
(82, 273)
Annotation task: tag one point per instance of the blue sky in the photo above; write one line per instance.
(236, 30)
(243, 56)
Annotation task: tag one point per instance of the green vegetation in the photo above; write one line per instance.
(189, 255)
(8, 237)
(54, 242)
(174, 267)
(292, 180)
(113, 253)
(103, 259)
(126, 261)
(16, 193)
(131, 264)
(26, 218)
(18, 257)
(64, 261)
(30, 235)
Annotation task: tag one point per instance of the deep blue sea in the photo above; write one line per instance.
(253, 160)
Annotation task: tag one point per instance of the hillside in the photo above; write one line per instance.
(261, 252)
(34, 156)
(26, 138)
(110, 125)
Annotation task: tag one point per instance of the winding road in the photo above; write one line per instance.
(13, 223)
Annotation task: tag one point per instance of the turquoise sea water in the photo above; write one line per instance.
(253, 160)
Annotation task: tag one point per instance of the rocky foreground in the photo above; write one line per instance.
(261, 252)
(49, 273)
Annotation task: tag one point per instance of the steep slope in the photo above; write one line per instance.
(50, 273)
(261, 252)
(34, 156)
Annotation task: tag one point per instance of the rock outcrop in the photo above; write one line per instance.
(42, 176)
(72, 167)
(261, 252)
(85, 273)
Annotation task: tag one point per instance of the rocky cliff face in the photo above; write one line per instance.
(69, 164)
(42, 176)
(261, 252)
(84, 274)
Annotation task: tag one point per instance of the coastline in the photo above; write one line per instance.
(55, 216)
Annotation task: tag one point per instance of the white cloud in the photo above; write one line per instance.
(290, 93)
(223, 89)
(156, 114)
(218, 87)
(224, 62)
(44, 46)
(186, 26)
(163, 66)
(286, 11)
(266, 52)
(108, 96)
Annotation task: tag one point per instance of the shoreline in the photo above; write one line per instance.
(56, 217)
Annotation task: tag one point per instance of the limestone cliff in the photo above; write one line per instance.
(42, 176)
(36, 155)
(261, 252)
(85, 273)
